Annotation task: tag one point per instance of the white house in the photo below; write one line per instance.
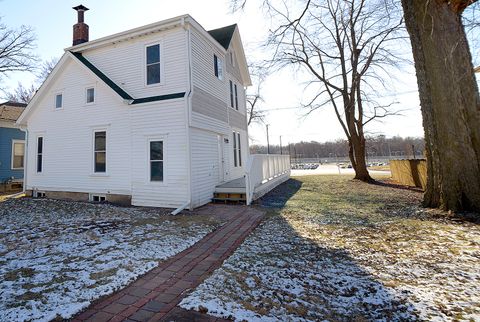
(153, 116)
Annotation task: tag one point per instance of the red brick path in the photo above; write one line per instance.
(154, 296)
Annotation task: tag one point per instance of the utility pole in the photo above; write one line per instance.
(268, 141)
(281, 151)
(413, 150)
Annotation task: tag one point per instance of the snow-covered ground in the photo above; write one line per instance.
(349, 251)
(56, 257)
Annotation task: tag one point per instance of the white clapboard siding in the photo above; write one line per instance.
(68, 137)
(203, 75)
(124, 63)
(163, 119)
(205, 165)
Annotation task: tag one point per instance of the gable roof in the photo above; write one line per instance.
(223, 35)
(11, 111)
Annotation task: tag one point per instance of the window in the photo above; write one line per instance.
(156, 160)
(236, 97)
(232, 58)
(90, 95)
(235, 164)
(58, 101)
(100, 152)
(218, 67)
(39, 154)
(239, 151)
(231, 94)
(18, 154)
(98, 198)
(153, 64)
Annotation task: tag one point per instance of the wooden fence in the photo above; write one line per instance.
(411, 172)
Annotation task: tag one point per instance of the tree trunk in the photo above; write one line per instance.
(450, 104)
(357, 157)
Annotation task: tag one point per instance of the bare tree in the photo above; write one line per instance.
(46, 69)
(21, 94)
(16, 47)
(346, 46)
(449, 100)
(253, 95)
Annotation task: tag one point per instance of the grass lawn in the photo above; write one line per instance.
(336, 249)
(56, 257)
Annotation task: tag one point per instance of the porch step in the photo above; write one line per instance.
(221, 197)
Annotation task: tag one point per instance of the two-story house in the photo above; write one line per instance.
(153, 116)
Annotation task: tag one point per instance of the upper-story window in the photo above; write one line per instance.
(218, 67)
(153, 64)
(90, 95)
(58, 101)
(236, 97)
(232, 58)
(231, 94)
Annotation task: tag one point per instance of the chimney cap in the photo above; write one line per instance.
(81, 8)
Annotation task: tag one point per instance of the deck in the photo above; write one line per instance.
(232, 186)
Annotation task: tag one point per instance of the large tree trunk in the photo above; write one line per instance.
(357, 157)
(450, 104)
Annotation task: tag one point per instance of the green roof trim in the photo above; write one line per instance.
(103, 77)
(158, 98)
(119, 90)
(223, 35)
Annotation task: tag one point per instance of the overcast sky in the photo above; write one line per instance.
(282, 92)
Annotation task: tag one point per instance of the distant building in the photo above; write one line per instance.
(12, 144)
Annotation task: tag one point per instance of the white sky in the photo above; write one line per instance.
(53, 20)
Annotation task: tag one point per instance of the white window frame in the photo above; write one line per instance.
(94, 95)
(15, 141)
(55, 101)
(39, 154)
(162, 138)
(162, 64)
(93, 173)
(92, 196)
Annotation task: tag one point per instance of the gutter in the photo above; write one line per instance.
(25, 161)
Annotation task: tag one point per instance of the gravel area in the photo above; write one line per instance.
(56, 257)
(340, 250)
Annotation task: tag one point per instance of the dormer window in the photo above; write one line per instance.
(218, 67)
(153, 64)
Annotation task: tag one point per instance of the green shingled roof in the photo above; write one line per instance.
(223, 35)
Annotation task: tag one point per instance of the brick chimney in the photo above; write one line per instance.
(80, 29)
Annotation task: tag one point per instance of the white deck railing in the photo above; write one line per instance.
(264, 172)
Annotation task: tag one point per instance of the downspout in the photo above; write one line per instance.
(25, 161)
(188, 203)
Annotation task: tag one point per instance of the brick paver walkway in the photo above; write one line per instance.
(154, 296)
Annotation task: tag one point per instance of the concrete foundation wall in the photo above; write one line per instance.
(123, 200)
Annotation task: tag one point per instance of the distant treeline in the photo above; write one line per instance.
(376, 146)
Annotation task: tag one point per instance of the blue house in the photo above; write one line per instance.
(12, 145)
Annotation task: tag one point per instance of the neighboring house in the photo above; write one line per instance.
(477, 69)
(153, 116)
(12, 144)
